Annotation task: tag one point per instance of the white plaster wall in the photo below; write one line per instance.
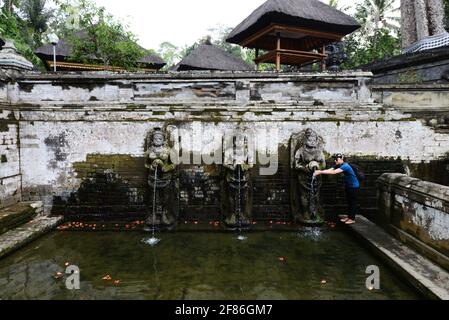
(9, 191)
(39, 164)
(9, 149)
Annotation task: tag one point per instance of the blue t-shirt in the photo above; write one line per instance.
(351, 180)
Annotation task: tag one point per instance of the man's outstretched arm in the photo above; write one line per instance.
(328, 172)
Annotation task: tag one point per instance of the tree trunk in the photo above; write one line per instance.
(408, 23)
(422, 24)
(436, 16)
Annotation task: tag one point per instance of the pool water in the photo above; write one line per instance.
(298, 264)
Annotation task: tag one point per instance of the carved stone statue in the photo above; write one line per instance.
(162, 180)
(422, 24)
(236, 202)
(307, 156)
(336, 56)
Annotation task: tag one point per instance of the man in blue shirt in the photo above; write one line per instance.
(352, 184)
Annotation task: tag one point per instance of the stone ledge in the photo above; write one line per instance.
(197, 75)
(411, 86)
(21, 236)
(419, 246)
(15, 215)
(427, 189)
(409, 60)
(424, 275)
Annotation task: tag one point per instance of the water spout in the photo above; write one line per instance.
(240, 237)
(313, 198)
(153, 240)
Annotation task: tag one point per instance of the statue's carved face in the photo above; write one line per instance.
(311, 139)
(240, 142)
(158, 139)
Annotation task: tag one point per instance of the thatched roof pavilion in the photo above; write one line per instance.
(148, 63)
(210, 57)
(292, 31)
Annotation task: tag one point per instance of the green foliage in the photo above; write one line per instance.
(103, 39)
(410, 76)
(12, 27)
(379, 36)
(35, 20)
(336, 4)
(375, 47)
(220, 33)
(217, 36)
(169, 53)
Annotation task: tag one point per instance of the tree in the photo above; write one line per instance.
(12, 27)
(101, 37)
(378, 17)
(169, 53)
(217, 36)
(336, 4)
(378, 37)
(446, 12)
(9, 6)
(36, 18)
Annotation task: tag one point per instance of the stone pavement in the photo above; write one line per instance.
(21, 236)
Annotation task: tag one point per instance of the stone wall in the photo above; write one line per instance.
(82, 135)
(9, 159)
(418, 212)
(429, 66)
(10, 178)
(429, 103)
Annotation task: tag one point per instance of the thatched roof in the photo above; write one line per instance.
(211, 57)
(311, 14)
(64, 51)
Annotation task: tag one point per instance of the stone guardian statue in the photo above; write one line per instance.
(307, 156)
(162, 180)
(236, 202)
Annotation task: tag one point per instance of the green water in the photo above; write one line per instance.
(198, 265)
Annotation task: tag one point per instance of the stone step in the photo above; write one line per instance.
(213, 104)
(426, 276)
(442, 128)
(23, 235)
(17, 214)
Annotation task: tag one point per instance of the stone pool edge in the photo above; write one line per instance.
(19, 237)
(428, 278)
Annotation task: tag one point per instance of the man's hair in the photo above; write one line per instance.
(338, 156)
